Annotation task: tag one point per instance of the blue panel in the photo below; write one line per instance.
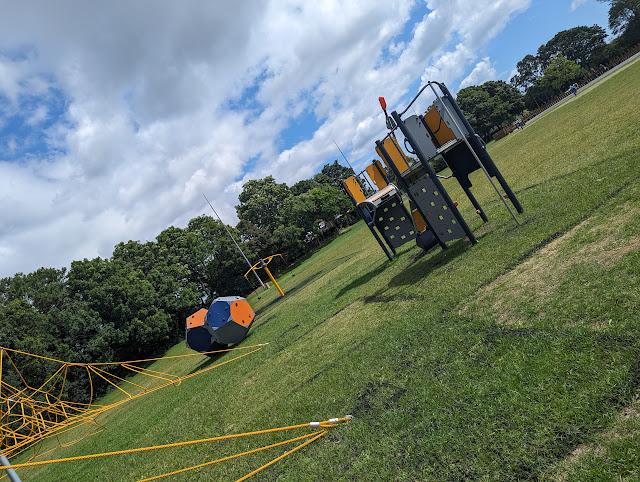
(218, 313)
(199, 338)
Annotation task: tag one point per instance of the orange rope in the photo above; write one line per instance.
(325, 425)
(27, 420)
(282, 456)
(224, 459)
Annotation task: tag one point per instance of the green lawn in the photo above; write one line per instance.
(516, 358)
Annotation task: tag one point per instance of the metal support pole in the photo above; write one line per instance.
(4, 461)
(369, 222)
(264, 265)
(475, 203)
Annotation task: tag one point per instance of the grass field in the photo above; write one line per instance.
(516, 358)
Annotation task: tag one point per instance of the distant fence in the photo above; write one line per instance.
(505, 131)
(585, 80)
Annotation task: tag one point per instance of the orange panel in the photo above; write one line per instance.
(439, 128)
(353, 189)
(375, 175)
(396, 153)
(241, 312)
(419, 220)
(197, 318)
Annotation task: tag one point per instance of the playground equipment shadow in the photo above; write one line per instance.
(429, 262)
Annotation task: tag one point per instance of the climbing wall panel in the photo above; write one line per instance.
(437, 213)
(394, 223)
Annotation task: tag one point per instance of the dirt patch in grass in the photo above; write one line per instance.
(627, 426)
(599, 241)
(611, 244)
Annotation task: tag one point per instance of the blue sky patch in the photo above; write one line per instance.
(23, 128)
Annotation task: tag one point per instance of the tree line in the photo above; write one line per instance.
(134, 304)
(567, 58)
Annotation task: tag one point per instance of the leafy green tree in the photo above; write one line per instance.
(224, 265)
(585, 45)
(490, 105)
(305, 185)
(577, 44)
(165, 264)
(329, 201)
(560, 74)
(260, 202)
(624, 19)
(333, 174)
(606, 53)
(301, 212)
(42, 289)
(259, 241)
(131, 324)
(24, 328)
(529, 70)
(290, 240)
(538, 95)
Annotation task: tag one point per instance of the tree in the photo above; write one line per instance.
(301, 212)
(306, 185)
(165, 264)
(537, 95)
(329, 201)
(529, 70)
(131, 323)
(222, 265)
(493, 104)
(577, 44)
(43, 289)
(624, 19)
(259, 241)
(333, 174)
(289, 238)
(24, 328)
(260, 202)
(560, 74)
(584, 45)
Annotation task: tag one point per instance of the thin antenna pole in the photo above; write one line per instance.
(345, 157)
(234, 242)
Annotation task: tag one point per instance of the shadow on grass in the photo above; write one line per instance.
(364, 279)
(424, 263)
(428, 263)
(289, 291)
(211, 360)
(315, 276)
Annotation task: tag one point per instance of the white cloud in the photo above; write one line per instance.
(482, 72)
(163, 101)
(575, 4)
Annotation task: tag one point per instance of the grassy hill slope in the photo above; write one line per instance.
(515, 358)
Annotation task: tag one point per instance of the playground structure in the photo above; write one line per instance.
(442, 132)
(262, 264)
(227, 321)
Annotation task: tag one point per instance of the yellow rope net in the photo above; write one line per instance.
(31, 415)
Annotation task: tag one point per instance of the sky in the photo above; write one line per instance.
(116, 117)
